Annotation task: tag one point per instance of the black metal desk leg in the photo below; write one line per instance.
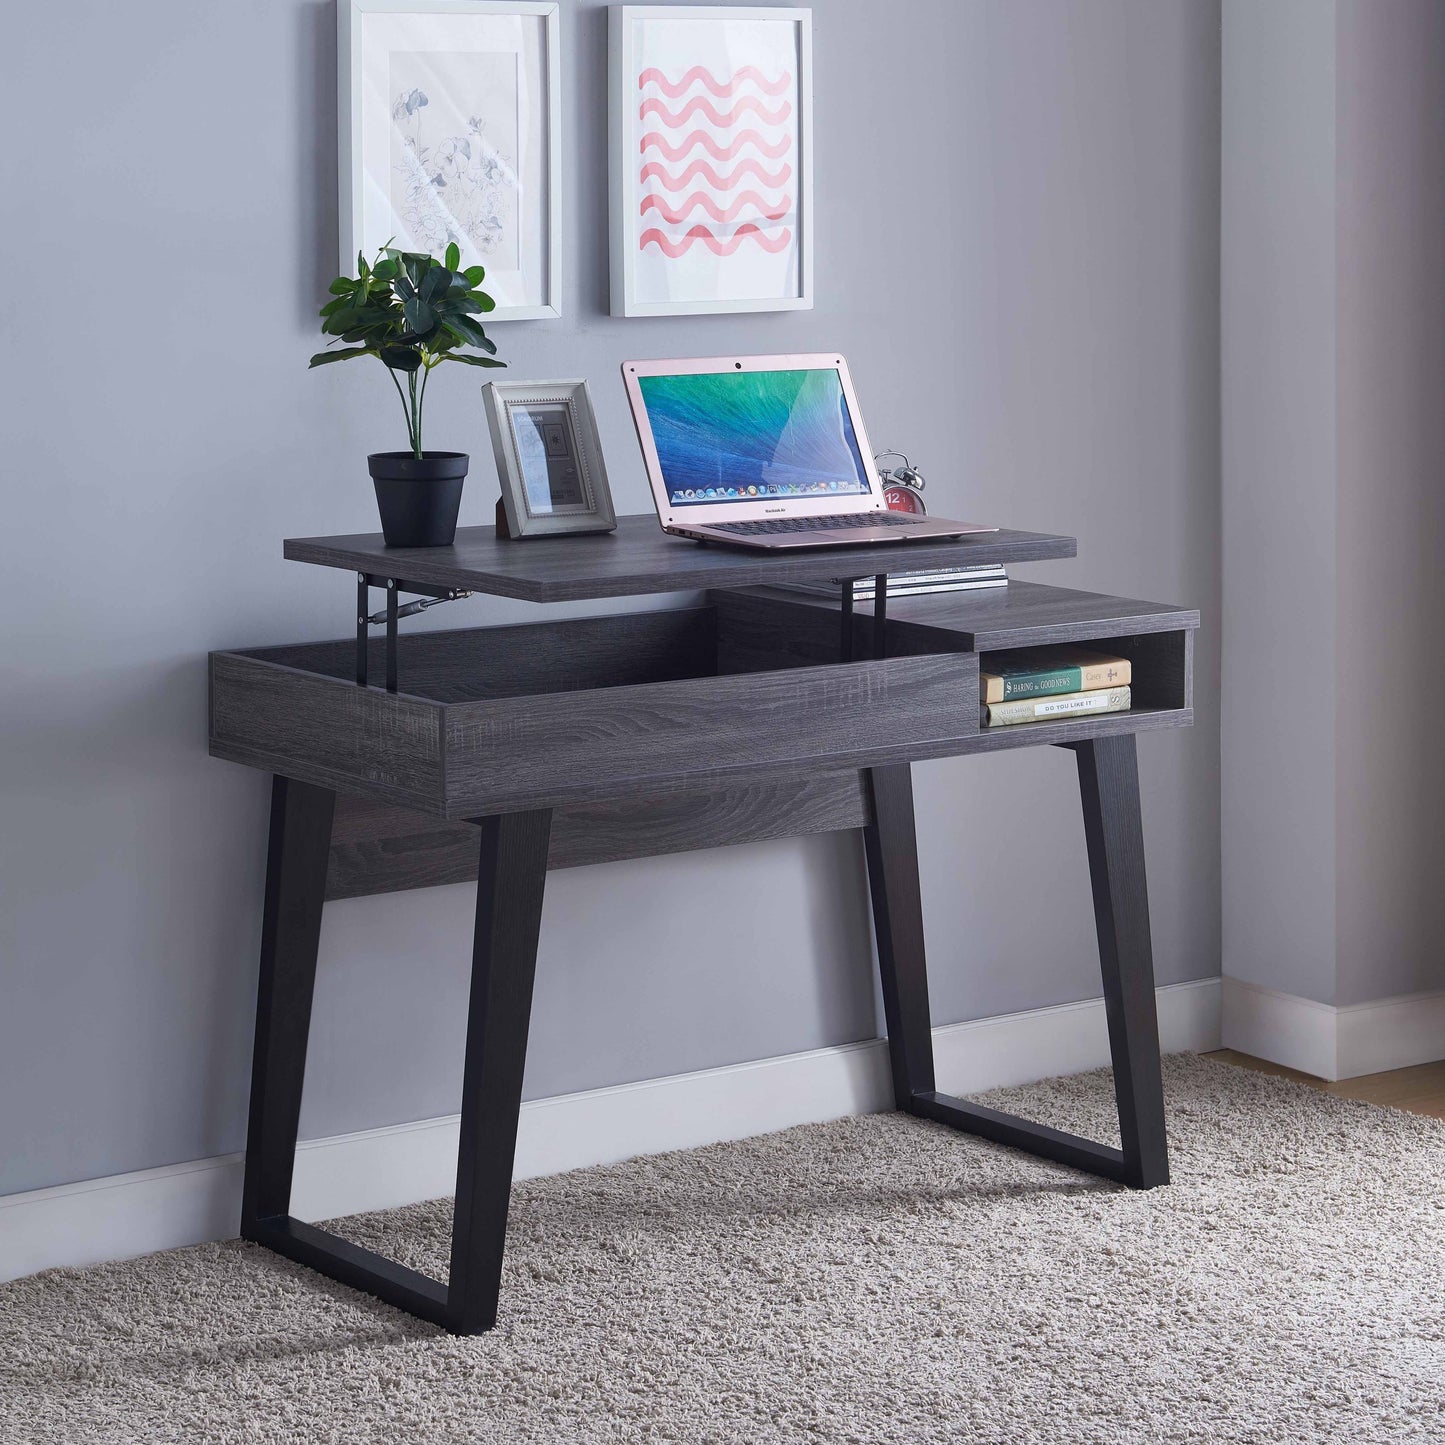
(296, 859)
(1110, 790)
(892, 852)
(510, 884)
(1109, 786)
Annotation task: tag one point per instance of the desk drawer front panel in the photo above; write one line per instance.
(519, 752)
(326, 731)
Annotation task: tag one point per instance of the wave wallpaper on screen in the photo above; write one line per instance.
(736, 436)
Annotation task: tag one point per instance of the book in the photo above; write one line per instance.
(1052, 709)
(906, 584)
(1048, 672)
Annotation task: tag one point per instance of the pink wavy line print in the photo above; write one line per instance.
(701, 198)
(714, 243)
(655, 170)
(772, 149)
(653, 106)
(723, 89)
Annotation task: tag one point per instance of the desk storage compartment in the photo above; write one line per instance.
(774, 628)
(496, 719)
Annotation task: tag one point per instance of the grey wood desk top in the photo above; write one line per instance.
(1023, 614)
(639, 557)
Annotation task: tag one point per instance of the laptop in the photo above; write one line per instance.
(765, 451)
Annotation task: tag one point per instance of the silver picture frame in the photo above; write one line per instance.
(549, 458)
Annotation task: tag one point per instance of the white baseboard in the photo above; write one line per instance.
(130, 1214)
(1333, 1043)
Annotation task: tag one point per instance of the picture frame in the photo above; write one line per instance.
(549, 459)
(450, 129)
(710, 142)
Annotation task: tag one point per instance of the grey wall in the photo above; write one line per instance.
(1333, 363)
(1278, 353)
(1017, 250)
(1390, 789)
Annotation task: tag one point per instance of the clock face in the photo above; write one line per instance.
(903, 499)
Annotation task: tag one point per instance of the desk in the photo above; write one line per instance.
(495, 754)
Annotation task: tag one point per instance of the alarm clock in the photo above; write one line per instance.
(902, 484)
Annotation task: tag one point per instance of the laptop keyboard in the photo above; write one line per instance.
(843, 521)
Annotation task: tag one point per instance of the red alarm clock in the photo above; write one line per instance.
(902, 485)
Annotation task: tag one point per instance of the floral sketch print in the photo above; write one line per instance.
(454, 152)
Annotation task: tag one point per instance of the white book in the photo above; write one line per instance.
(1043, 709)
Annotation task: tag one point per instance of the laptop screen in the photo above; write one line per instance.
(738, 436)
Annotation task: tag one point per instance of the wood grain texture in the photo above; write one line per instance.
(639, 557)
(1418, 1089)
(759, 629)
(567, 655)
(1022, 614)
(545, 751)
(326, 731)
(377, 848)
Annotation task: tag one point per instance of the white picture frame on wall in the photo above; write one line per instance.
(710, 140)
(449, 119)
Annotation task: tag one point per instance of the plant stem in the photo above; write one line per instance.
(420, 402)
(402, 395)
(415, 416)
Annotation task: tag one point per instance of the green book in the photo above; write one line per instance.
(1048, 672)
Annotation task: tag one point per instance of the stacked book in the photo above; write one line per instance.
(910, 584)
(1044, 684)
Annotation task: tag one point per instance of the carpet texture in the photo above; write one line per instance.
(872, 1280)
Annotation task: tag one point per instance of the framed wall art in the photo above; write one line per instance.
(450, 126)
(711, 145)
(549, 458)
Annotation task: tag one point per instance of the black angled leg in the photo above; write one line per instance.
(510, 884)
(296, 859)
(1109, 787)
(892, 852)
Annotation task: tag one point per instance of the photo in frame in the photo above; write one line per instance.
(450, 129)
(711, 159)
(549, 459)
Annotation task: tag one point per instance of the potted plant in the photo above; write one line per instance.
(412, 312)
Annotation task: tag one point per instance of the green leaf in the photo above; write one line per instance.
(340, 286)
(474, 360)
(419, 316)
(482, 301)
(404, 288)
(401, 358)
(453, 257)
(434, 281)
(323, 357)
(475, 275)
(467, 330)
(335, 305)
(386, 270)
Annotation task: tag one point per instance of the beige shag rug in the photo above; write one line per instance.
(872, 1280)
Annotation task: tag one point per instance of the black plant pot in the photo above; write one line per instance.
(418, 498)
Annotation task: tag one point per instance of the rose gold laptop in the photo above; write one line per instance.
(765, 451)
